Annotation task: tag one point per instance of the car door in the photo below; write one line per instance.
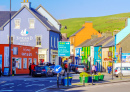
(124, 71)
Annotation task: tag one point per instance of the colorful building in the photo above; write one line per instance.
(32, 27)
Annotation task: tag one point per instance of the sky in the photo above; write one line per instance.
(64, 9)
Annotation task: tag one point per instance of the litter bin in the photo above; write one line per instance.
(64, 81)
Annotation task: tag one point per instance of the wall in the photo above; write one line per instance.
(92, 54)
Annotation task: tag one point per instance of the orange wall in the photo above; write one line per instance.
(20, 51)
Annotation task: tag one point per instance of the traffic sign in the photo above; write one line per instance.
(63, 49)
(57, 69)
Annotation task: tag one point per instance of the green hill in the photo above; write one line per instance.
(102, 24)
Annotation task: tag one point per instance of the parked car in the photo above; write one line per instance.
(125, 71)
(80, 68)
(42, 71)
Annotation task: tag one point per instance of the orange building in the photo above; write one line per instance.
(21, 57)
(83, 34)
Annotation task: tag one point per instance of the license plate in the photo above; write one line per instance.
(38, 73)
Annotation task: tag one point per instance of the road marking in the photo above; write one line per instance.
(44, 88)
(6, 90)
(8, 84)
(35, 85)
(19, 84)
(12, 87)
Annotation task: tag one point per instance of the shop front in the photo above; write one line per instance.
(21, 57)
(54, 57)
(42, 55)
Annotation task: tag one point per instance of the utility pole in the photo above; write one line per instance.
(10, 40)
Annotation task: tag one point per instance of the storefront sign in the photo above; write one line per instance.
(63, 49)
(1, 61)
(26, 52)
(107, 59)
(6, 56)
(6, 71)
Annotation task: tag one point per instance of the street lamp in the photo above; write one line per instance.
(10, 40)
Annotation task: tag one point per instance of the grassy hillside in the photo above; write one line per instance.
(104, 23)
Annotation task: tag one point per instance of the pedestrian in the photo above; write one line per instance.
(66, 66)
(30, 68)
(53, 63)
(93, 69)
(0, 71)
(109, 69)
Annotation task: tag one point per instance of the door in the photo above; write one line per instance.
(13, 65)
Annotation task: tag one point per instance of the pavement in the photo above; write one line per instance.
(27, 83)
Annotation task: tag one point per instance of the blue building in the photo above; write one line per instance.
(32, 27)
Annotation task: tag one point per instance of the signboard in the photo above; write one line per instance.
(1, 61)
(107, 59)
(63, 49)
(82, 53)
(6, 56)
(57, 69)
(126, 57)
(6, 71)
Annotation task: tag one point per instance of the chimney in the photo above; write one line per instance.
(64, 34)
(27, 3)
(115, 32)
(88, 24)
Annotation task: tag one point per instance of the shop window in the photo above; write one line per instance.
(19, 63)
(11, 40)
(51, 42)
(15, 50)
(35, 61)
(38, 41)
(57, 42)
(31, 23)
(25, 63)
(29, 61)
(17, 23)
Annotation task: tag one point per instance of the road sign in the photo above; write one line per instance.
(57, 69)
(63, 49)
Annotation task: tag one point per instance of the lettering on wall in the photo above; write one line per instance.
(26, 52)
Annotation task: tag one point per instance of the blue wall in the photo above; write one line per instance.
(98, 57)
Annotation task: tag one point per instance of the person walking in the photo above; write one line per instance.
(93, 69)
(30, 68)
(66, 66)
(109, 69)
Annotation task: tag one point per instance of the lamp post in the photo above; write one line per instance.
(10, 40)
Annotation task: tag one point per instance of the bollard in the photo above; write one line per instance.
(83, 80)
(92, 79)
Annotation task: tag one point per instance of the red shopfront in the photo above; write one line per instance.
(21, 57)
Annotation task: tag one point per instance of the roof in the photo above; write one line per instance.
(104, 41)
(82, 44)
(48, 13)
(110, 44)
(64, 39)
(92, 42)
(77, 31)
(4, 16)
(41, 18)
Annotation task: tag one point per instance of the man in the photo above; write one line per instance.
(30, 68)
(93, 69)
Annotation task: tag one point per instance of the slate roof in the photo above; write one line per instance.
(64, 39)
(103, 41)
(110, 44)
(82, 44)
(92, 42)
(77, 31)
(4, 16)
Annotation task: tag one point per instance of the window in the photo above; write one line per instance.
(38, 40)
(54, 43)
(51, 42)
(11, 40)
(17, 23)
(30, 61)
(19, 63)
(35, 61)
(25, 63)
(128, 68)
(31, 23)
(15, 50)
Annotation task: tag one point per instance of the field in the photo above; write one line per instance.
(102, 24)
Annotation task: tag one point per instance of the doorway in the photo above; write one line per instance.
(13, 66)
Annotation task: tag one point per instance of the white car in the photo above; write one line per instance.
(125, 71)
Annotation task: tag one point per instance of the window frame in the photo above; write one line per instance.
(35, 61)
(29, 62)
(54, 42)
(16, 22)
(11, 39)
(51, 42)
(25, 63)
(20, 66)
(57, 42)
(38, 39)
(30, 23)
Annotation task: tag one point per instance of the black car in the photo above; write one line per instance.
(41, 71)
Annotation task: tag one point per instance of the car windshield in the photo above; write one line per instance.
(80, 66)
(39, 68)
(52, 66)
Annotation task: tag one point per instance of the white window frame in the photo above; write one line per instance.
(19, 63)
(35, 62)
(25, 62)
(51, 42)
(29, 62)
(15, 21)
(11, 37)
(57, 42)
(36, 41)
(54, 42)
(30, 20)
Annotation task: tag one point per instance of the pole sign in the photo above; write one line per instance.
(57, 69)
(63, 49)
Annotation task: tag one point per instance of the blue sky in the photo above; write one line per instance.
(62, 9)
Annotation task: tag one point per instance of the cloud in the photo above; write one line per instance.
(3, 8)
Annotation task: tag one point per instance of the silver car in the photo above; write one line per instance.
(80, 68)
(125, 71)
